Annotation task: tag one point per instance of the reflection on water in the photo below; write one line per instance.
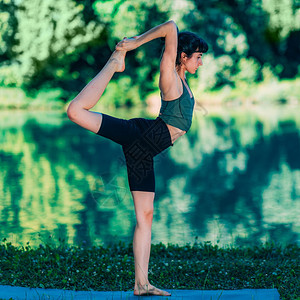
(233, 179)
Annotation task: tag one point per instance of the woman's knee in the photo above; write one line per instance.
(143, 203)
(144, 218)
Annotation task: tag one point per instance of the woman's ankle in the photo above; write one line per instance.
(141, 284)
(118, 60)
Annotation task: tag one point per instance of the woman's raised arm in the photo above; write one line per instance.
(161, 31)
(169, 32)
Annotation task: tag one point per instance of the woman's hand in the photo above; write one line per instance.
(127, 44)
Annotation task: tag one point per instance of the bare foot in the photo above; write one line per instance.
(149, 290)
(118, 57)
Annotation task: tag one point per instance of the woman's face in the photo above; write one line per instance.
(193, 63)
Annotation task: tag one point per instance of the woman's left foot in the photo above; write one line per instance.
(149, 290)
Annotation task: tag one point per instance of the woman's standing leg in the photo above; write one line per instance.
(143, 204)
(78, 110)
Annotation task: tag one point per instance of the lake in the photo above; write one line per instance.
(233, 179)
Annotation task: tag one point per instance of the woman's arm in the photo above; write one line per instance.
(161, 31)
(168, 75)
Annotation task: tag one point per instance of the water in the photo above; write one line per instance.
(234, 179)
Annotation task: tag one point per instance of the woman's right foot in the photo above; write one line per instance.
(149, 290)
(118, 57)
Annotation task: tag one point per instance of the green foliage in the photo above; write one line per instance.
(8, 24)
(45, 31)
(63, 44)
(283, 18)
(123, 91)
(247, 71)
(198, 266)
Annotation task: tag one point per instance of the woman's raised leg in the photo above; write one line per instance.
(78, 110)
(143, 204)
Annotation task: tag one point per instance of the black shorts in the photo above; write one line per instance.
(141, 139)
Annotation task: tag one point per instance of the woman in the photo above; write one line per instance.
(142, 139)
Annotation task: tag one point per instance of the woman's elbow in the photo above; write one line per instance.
(172, 24)
(72, 111)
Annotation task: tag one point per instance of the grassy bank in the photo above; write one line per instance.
(16, 98)
(198, 266)
(245, 93)
(251, 93)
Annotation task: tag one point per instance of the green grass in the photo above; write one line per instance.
(198, 266)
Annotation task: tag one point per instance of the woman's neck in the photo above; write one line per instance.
(181, 71)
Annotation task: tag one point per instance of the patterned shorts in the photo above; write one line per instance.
(141, 139)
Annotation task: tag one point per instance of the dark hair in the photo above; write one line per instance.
(189, 42)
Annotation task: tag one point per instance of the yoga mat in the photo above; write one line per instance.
(18, 293)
